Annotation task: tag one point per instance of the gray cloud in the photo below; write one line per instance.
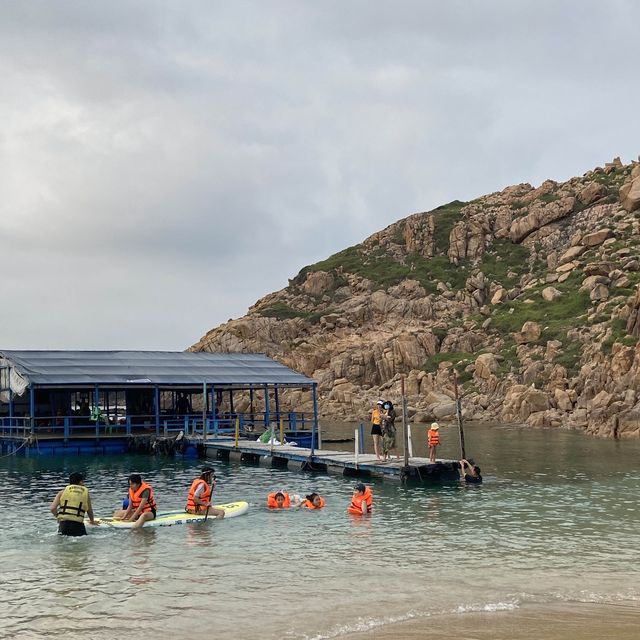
(163, 165)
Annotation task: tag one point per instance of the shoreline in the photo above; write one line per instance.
(554, 621)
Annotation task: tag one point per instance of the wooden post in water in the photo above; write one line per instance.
(405, 432)
(357, 445)
(459, 413)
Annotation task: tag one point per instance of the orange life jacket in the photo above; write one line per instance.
(205, 496)
(135, 498)
(307, 504)
(271, 500)
(356, 502)
(376, 416)
(433, 437)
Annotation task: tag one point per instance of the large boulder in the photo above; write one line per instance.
(596, 238)
(592, 192)
(521, 401)
(486, 364)
(540, 214)
(317, 282)
(530, 332)
(630, 191)
(550, 294)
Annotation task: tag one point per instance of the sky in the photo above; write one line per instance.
(163, 165)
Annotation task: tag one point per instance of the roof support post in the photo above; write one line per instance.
(277, 399)
(10, 406)
(314, 429)
(156, 407)
(96, 402)
(204, 409)
(32, 408)
(231, 401)
(267, 417)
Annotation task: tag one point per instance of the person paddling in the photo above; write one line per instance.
(200, 493)
(70, 505)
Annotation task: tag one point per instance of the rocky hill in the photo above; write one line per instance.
(531, 294)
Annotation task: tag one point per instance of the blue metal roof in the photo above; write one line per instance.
(150, 368)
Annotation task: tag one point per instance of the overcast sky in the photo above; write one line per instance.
(165, 164)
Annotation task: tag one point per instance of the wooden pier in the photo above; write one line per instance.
(346, 463)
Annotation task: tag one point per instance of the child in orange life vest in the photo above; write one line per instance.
(313, 501)
(433, 440)
(142, 505)
(361, 501)
(278, 500)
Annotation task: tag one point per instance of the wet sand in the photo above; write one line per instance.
(530, 622)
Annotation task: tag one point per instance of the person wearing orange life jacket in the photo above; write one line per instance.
(433, 440)
(361, 501)
(313, 501)
(142, 505)
(278, 500)
(70, 505)
(199, 498)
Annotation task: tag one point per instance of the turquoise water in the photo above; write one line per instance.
(556, 521)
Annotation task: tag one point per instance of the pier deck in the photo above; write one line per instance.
(337, 462)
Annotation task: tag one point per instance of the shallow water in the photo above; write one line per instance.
(556, 523)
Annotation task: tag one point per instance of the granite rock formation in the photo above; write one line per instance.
(532, 295)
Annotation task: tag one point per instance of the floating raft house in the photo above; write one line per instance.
(99, 401)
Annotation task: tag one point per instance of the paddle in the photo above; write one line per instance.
(211, 478)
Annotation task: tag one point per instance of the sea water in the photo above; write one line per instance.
(556, 521)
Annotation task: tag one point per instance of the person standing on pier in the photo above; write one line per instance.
(433, 440)
(200, 493)
(70, 505)
(376, 427)
(388, 430)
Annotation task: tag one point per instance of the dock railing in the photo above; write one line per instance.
(15, 427)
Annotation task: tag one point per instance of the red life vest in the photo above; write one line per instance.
(135, 498)
(271, 500)
(356, 502)
(307, 504)
(205, 496)
(433, 437)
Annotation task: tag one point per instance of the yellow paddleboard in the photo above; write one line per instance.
(168, 518)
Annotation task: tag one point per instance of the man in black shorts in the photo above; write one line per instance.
(70, 505)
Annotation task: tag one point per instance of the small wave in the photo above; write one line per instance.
(488, 607)
(362, 625)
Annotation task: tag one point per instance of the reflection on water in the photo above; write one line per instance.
(556, 521)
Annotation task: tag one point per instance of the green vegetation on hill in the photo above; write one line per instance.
(445, 218)
(459, 359)
(555, 317)
(502, 258)
(282, 311)
(385, 271)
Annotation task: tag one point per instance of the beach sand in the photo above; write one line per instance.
(530, 622)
